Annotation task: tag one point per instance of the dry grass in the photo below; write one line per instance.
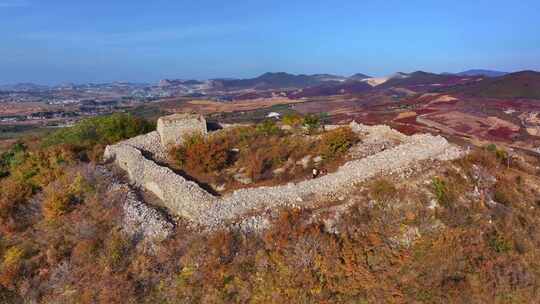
(263, 153)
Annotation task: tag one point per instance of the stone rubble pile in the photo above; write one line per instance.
(142, 221)
(139, 220)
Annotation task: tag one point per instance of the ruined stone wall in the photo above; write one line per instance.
(182, 197)
(187, 199)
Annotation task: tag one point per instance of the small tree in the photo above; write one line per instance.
(324, 118)
(293, 120)
(268, 127)
(312, 122)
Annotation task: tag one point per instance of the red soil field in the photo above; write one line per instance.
(502, 133)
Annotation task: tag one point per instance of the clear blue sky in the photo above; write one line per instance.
(52, 41)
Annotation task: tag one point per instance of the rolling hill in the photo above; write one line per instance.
(329, 89)
(359, 76)
(481, 72)
(525, 84)
(421, 80)
(279, 80)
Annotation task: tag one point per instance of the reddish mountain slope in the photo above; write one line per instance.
(525, 84)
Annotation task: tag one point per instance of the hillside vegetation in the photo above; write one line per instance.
(466, 231)
(524, 84)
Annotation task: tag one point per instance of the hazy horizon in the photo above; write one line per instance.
(225, 77)
(65, 42)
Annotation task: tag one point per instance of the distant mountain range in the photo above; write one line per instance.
(487, 73)
(23, 87)
(266, 81)
(478, 72)
(359, 76)
(481, 83)
(176, 82)
(282, 80)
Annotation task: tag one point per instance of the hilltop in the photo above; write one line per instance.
(154, 224)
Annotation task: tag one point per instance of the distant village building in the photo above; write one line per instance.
(273, 115)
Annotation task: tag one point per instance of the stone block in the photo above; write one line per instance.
(174, 128)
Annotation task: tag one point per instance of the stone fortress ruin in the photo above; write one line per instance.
(142, 158)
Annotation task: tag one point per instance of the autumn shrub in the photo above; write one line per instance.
(497, 154)
(12, 158)
(499, 243)
(95, 154)
(11, 266)
(116, 247)
(14, 194)
(292, 120)
(337, 142)
(241, 136)
(56, 204)
(44, 165)
(506, 192)
(257, 164)
(63, 195)
(202, 154)
(382, 190)
(268, 127)
(500, 154)
(267, 153)
(483, 158)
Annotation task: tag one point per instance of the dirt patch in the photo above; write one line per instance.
(444, 99)
(496, 123)
(503, 133)
(405, 115)
(464, 124)
(406, 118)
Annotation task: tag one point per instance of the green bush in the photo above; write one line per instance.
(100, 130)
(293, 120)
(442, 191)
(337, 142)
(312, 122)
(491, 147)
(13, 157)
(499, 244)
(500, 154)
(268, 127)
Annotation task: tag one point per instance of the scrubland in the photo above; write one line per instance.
(459, 232)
